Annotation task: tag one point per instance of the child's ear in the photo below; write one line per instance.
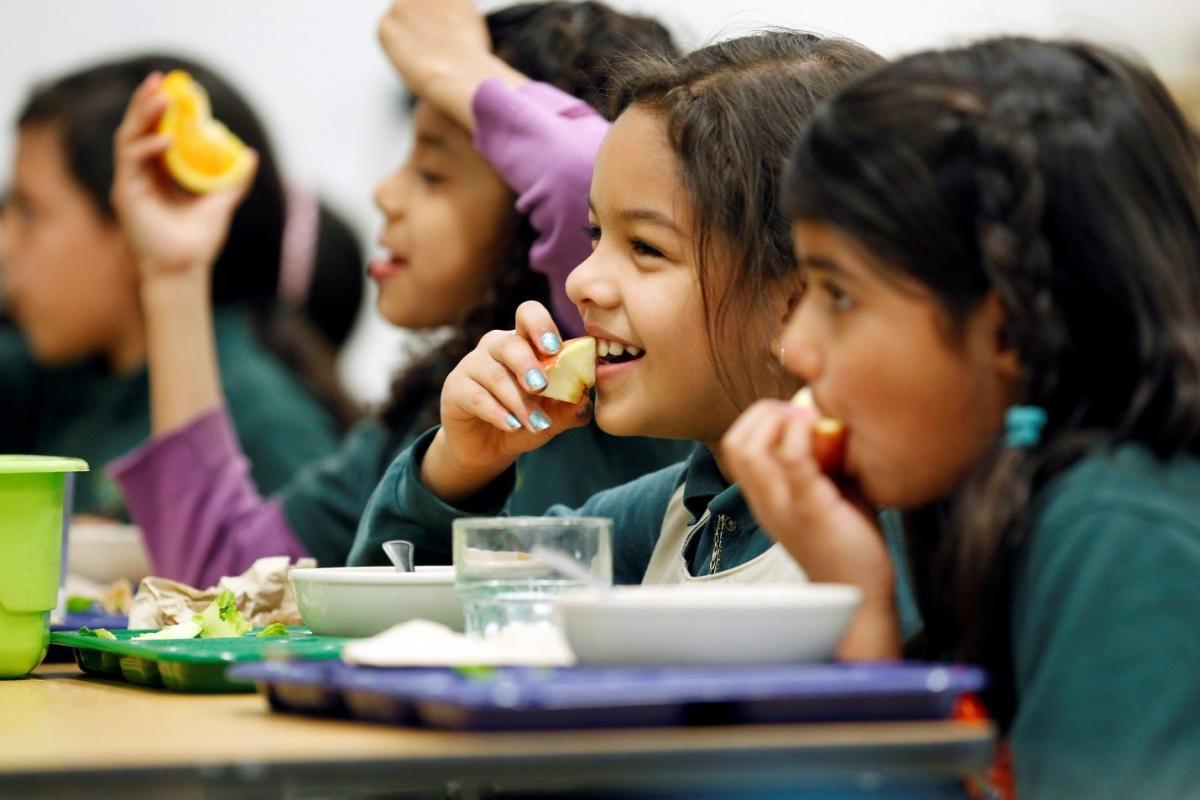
(1007, 360)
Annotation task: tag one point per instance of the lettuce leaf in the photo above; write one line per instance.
(222, 619)
(184, 630)
(274, 629)
(99, 633)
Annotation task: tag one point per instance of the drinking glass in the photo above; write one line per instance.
(501, 582)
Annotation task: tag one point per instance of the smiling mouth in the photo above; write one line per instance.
(608, 352)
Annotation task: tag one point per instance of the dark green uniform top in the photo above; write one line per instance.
(569, 469)
(82, 410)
(1106, 632)
(555, 480)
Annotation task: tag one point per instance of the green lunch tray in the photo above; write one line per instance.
(191, 665)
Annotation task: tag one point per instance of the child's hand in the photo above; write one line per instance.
(428, 40)
(443, 52)
(491, 410)
(171, 230)
(768, 452)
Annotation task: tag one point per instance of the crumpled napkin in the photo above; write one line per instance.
(420, 643)
(264, 595)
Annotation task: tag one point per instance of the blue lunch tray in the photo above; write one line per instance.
(598, 697)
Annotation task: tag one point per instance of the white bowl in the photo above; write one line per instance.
(105, 551)
(744, 624)
(364, 601)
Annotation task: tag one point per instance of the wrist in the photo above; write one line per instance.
(451, 480)
(452, 87)
(172, 289)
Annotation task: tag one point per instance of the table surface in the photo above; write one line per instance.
(63, 729)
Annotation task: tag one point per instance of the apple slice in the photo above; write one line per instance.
(828, 435)
(572, 372)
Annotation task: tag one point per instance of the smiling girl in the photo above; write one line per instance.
(690, 276)
(1002, 248)
(469, 228)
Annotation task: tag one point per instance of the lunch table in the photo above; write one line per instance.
(68, 734)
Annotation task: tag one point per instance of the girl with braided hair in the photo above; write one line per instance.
(1002, 252)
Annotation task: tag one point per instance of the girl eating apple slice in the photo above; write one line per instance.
(671, 295)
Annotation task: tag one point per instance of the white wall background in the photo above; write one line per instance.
(315, 73)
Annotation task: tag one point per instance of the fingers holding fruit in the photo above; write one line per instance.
(172, 229)
(768, 451)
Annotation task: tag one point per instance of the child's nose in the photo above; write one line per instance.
(389, 194)
(590, 283)
(801, 354)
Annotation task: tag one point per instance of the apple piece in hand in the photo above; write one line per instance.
(572, 371)
(828, 435)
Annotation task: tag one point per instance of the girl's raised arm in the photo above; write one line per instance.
(176, 237)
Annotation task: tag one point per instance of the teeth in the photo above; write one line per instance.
(605, 347)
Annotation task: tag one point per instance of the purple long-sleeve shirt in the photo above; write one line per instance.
(190, 490)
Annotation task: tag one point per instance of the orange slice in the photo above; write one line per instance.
(204, 155)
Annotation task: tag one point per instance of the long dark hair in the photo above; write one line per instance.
(86, 106)
(732, 110)
(573, 46)
(1062, 178)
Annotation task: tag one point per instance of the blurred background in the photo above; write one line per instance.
(334, 108)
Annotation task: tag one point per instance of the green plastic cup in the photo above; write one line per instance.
(32, 494)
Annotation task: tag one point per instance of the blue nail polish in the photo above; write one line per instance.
(550, 343)
(512, 421)
(535, 379)
(539, 421)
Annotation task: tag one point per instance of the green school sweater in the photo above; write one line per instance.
(555, 482)
(82, 410)
(1106, 632)
(569, 469)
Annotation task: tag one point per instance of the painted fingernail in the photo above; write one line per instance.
(539, 421)
(512, 421)
(550, 342)
(535, 379)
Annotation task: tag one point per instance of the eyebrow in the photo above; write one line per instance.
(643, 215)
(822, 264)
(433, 141)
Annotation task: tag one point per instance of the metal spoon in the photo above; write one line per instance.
(569, 567)
(400, 553)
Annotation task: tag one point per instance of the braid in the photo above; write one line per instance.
(983, 525)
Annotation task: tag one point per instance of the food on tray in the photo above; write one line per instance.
(79, 604)
(98, 633)
(204, 155)
(572, 372)
(828, 435)
(221, 620)
(263, 594)
(274, 629)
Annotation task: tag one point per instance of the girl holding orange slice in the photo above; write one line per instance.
(75, 368)
(1002, 249)
(471, 228)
